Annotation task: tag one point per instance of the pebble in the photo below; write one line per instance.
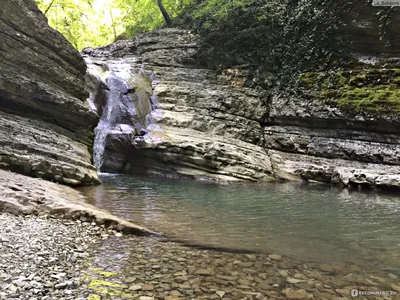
(130, 267)
(36, 262)
(135, 287)
(130, 280)
(395, 287)
(296, 294)
(275, 257)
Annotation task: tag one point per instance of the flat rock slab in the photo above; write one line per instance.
(24, 195)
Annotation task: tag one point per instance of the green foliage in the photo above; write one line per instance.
(216, 13)
(234, 32)
(99, 22)
(286, 37)
(283, 37)
(84, 22)
(145, 15)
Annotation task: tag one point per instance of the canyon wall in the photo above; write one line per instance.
(163, 112)
(46, 126)
(201, 125)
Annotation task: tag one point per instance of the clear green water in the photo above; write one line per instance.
(308, 222)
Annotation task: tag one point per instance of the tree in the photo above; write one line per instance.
(99, 22)
(165, 14)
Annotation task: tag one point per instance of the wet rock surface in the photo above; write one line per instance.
(46, 127)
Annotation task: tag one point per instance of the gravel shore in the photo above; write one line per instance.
(41, 256)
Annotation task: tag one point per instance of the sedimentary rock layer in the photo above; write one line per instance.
(46, 125)
(315, 141)
(197, 126)
(200, 124)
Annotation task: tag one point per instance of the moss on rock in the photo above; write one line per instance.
(103, 272)
(105, 287)
(373, 90)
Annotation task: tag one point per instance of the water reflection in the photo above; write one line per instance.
(316, 223)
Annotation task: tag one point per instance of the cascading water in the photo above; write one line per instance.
(122, 96)
(107, 120)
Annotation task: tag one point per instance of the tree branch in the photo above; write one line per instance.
(47, 9)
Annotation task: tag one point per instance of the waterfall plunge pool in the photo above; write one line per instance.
(308, 222)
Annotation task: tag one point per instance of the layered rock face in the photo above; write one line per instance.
(162, 115)
(46, 126)
(318, 142)
(342, 125)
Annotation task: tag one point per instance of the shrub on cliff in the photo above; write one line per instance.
(285, 37)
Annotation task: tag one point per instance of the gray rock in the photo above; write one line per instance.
(196, 125)
(135, 287)
(61, 285)
(45, 124)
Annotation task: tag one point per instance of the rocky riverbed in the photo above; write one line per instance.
(47, 258)
(150, 268)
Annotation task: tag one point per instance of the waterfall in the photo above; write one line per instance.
(122, 96)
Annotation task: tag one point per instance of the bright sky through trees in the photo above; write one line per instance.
(99, 22)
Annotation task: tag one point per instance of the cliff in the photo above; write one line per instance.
(164, 111)
(160, 114)
(337, 123)
(46, 127)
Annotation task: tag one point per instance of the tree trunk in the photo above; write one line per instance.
(112, 23)
(166, 16)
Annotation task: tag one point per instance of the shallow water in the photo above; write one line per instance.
(309, 222)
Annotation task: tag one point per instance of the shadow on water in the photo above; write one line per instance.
(309, 222)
